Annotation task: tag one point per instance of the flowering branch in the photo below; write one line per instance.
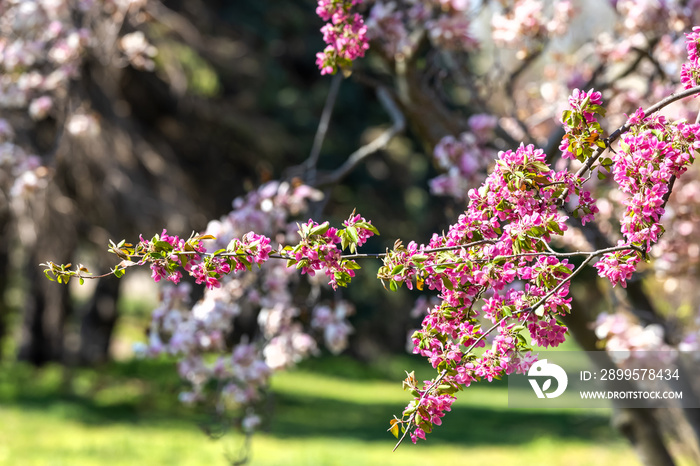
(399, 124)
(493, 264)
(615, 135)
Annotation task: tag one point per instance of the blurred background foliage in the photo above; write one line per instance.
(234, 101)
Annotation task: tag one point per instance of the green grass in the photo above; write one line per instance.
(330, 412)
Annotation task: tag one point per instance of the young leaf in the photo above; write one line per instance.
(394, 427)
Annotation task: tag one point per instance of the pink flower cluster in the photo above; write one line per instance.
(618, 266)
(583, 131)
(168, 253)
(528, 19)
(690, 71)
(654, 152)
(465, 159)
(452, 32)
(359, 226)
(430, 411)
(163, 268)
(251, 249)
(233, 377)
(620, 334)
(395, 25)
(41, 49)
(320, 252)
(586, 208)
(500, 239)
(332, 321)
(321, 249)
(386, 24)
(345, 34)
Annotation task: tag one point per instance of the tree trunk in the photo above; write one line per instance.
(4, 275)
(53, 237)
(638, 425)
(98, 322)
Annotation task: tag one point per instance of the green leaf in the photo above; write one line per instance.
(163, 245)
(367, 226)
(447, 388)
(566, 114)
(320, 229)
(447, 283)
(516, 247)
(539, 312)
(352, 265)
(398, 269)
(553, 226)
(352, 234)
(540, 166)
(344, 240)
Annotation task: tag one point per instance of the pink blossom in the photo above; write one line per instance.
(345, 34)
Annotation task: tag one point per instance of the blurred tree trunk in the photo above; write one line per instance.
(4, 275)
(98, 322)
(638, 425)
(47, 304)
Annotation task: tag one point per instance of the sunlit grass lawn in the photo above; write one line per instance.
(331, 412)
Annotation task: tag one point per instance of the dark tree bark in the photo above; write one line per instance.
(638, 425)
(48, 304)
(98, 321)
(4, 274)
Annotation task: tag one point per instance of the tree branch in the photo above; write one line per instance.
(626, 127)
(310, 163)
(399, 124)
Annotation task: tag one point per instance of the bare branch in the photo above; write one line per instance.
(379, 143)
(310, 163)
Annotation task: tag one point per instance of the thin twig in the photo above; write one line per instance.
(399, 124)
(310, 163)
